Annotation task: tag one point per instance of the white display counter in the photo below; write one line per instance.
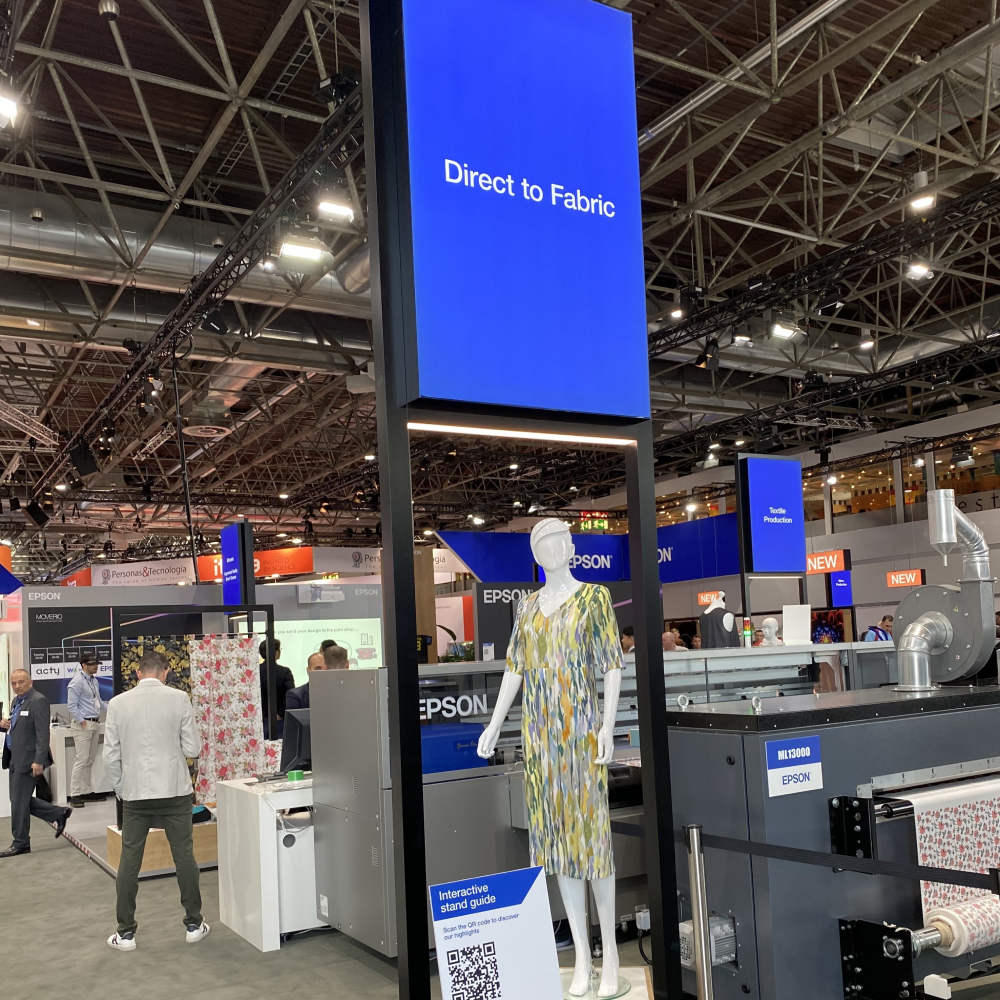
(63, 750)
(267, 869)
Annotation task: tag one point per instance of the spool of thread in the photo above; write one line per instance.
(296, 775)
(972, 924)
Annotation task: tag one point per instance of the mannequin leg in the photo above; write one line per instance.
(573, 892)
(604, 894)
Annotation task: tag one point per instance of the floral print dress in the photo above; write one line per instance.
(559, 656)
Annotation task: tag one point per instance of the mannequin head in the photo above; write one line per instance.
(769, 626)
(551, 544)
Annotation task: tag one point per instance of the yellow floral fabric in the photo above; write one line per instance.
(174, 647)
(569, 827)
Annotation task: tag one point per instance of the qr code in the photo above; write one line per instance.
(473, 972)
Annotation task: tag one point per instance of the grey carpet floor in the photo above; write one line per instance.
(57, 909)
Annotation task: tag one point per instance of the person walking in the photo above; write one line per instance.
(148, 735)
(25, 757)
(85, 704)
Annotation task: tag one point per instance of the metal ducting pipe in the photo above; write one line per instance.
(354, 272)
(929, 634)
(948, 632)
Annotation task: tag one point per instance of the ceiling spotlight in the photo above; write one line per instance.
(297, 541)
(514, 465)
(269, 265)
(478, 520)
(714, 444)
(918, 463)
(867, 340)
(8, 109)
(831, 479)
(742, 336)
(62, 487)
(108, 9)
(691, 507)
(282, 534)
(574, 489)
(917, 271)
(32, 322)
(740, 443)
(336, 210)
(300, 251)
(920, 202)
(427, 531)
(370, 457)
(783, 329)
(831, 303)
(517, 503)
(677, 313)
(218, 242)
(282, 496)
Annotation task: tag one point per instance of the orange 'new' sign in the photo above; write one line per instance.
(905, 577)
(825, 562)
(707, 597)
(272, 562)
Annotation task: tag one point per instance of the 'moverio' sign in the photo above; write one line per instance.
(524, 206)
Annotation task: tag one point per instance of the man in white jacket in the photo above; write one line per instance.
(149, 734)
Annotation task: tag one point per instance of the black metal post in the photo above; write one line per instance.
(184, 471)
(388, 227)
(651, 700)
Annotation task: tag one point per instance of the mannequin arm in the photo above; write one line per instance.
(606, 736)
(509, 687)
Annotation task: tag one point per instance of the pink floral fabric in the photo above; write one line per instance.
(981, 920)
(957, 826)
(272, 755)
(225, 693)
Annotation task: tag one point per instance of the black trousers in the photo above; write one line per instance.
(24, 805)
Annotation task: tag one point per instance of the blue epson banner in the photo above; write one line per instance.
(774, 529)
(525, 210)
(232, 584)
(696, 550)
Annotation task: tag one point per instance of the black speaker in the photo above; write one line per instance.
(15, 504)
(36, 515)
(83, 459)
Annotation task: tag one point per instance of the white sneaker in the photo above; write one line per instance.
(195, 933)
(123, 942)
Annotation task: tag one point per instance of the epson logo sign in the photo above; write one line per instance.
(505, 596)
(43, 617)
(44, 595)
(591, 562)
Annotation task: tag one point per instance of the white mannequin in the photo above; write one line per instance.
(720, 602)
(553, 553)
(769, 626)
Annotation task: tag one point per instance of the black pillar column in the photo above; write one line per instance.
(647, 608)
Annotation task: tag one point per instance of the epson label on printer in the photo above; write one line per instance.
(793, 766)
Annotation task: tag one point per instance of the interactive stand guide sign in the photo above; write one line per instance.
(498, 134)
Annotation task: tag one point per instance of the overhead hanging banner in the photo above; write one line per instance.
(521, 123)
(273, 562)
(772, 516)
(141, 574)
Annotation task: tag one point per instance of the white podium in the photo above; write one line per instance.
(267, 869)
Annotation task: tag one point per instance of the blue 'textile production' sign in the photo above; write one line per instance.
(232, 583)
(794, 765)
(525, 209)
(774, 524)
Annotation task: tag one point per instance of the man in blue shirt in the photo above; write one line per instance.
(84, 702)
(881, 632)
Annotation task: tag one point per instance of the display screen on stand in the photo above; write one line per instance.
(772, 516)
(516, 143)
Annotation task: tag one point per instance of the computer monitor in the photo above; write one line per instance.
(296, 752)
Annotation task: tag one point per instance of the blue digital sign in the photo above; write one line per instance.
(773, 514)
(841, 591)
(525, 210)
(232, 582)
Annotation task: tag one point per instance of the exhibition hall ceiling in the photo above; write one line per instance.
(773, 137)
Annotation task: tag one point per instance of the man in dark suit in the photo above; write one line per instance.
(25, 757)
(299, 697)
(283, 683)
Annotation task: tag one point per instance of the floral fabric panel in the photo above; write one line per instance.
(225, 686)
(569, 827)
(958, 826)
(174, 647)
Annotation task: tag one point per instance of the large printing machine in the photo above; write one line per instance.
(475, 819)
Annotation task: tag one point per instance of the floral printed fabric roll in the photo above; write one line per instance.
(958, 826)
(225, 692)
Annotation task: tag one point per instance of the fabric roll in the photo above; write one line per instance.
(958, 827)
